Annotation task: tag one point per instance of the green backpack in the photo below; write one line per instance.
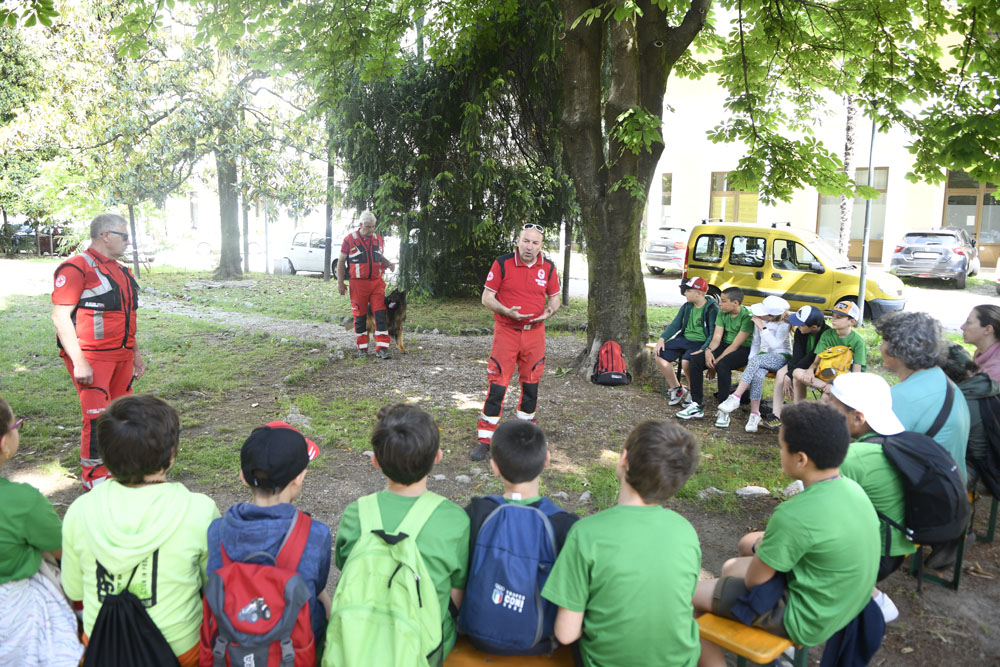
(385, 609)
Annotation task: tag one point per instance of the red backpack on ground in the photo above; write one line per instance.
(610, 367)
(258, 613)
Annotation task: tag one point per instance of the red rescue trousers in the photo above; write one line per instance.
(112, 378)
(365, 293)
(521, 345)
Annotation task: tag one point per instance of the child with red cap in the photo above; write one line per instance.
(690, 331)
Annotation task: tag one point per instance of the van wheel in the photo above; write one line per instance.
(291, 267)
(714, 292)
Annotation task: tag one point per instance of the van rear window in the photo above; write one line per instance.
(747, 251)
(709, 248)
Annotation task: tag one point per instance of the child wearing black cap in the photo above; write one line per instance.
(273, 464)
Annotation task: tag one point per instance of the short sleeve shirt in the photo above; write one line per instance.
(734, 324)
(867, 465)
(694, 330)
(853, 340)
(918, 399)
(632, 571)
(28, 526)
(518, 284)
(443, 544)
(830, 565)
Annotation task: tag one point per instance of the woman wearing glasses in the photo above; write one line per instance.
(37, 626)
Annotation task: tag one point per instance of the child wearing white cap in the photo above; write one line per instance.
(768, 352)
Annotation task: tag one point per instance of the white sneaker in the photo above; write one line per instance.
(731, 403)
(753, 421)
(722, 419)
(888, 607)
(692, 411)
(677, 395)
(687, 400)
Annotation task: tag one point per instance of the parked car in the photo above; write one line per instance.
(308, 249)
(665, 250)
(948, 253)
(786, 261)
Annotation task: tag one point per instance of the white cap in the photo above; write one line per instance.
(771, 305)
(869, 394)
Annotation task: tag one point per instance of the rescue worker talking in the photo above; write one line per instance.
(94, 303)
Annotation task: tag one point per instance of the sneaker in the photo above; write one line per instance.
(362, 354)
(481, 452)
(731, 403)
(888, 607)
(722, 419)
(383, 353)
(771, 423)
(677, 395)
(752, 422)
(687, 400)
(692, 411)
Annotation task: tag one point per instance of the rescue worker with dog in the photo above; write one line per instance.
(362, 254)
(94, 303)
(522, 289)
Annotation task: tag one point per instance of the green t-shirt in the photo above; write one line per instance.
(826, 541)
(161, 531)
(28, 526)
(632, 571)
(866, 464)
(695, 328)
(830, 338)
(443, 543)
(734, 324)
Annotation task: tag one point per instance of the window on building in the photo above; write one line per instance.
(972, 206)
(747, 251)
(731, 205)
(828, 225)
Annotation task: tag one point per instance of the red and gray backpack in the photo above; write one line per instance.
(258, 613)
(610, 367)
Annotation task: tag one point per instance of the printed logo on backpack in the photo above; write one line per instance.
(834, 361)
(503, 612)
(257, 613)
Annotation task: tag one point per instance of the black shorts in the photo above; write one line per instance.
(679, 347)
(728, 590)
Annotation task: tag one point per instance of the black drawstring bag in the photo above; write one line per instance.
(125, 635)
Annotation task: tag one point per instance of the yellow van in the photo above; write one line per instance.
(786, 261)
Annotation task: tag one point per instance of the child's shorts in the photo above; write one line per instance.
(678, 347)
(729, 590)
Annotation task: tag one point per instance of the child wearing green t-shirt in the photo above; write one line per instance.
(625, 577)
(829, 566)
(692, 329)
(845, 317)
(405, 445)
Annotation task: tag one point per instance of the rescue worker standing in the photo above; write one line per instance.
(361, 252)
(516, 290)
(94, 305)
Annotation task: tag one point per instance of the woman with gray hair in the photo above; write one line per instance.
(913, 346)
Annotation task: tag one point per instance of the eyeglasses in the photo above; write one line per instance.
(531, 225)
(16, 426)
(121, 234)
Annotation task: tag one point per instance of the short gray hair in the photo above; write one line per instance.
(366, 216)
(105, 222)
(916, 339)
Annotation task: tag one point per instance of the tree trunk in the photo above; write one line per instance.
(847, 203)
(567, 256)
(638, 55)
(246, 234)
(229, 260)
(328, 251)
(135, 240)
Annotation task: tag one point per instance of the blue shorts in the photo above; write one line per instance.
(679, 347)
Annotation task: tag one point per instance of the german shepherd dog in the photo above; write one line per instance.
(395, 315)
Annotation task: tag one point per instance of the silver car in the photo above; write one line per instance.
(666, 250)
(948, 254)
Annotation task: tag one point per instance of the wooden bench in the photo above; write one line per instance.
(709, 372)
(758, 646)
(465, 654)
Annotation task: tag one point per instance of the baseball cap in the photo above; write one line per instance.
(869, 394)
(275, 454)
(848, 308)
(771, 305)
(696, 282)
(809, 316)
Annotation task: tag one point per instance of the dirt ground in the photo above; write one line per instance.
(583, 422)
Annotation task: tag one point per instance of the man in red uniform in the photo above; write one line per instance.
(517, 288)
(361, 252)
(94, 304)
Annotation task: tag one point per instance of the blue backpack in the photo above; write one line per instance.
(503, 611)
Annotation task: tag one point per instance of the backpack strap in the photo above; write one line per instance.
(369, 514)
(949, 399)
(419, 513)
(499, 500)
(292, 547)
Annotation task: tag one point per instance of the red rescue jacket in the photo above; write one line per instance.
(105, 314)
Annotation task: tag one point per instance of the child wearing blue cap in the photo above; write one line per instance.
(808, 324)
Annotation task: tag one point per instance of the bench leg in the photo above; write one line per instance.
(917, 568)
(991, 524)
